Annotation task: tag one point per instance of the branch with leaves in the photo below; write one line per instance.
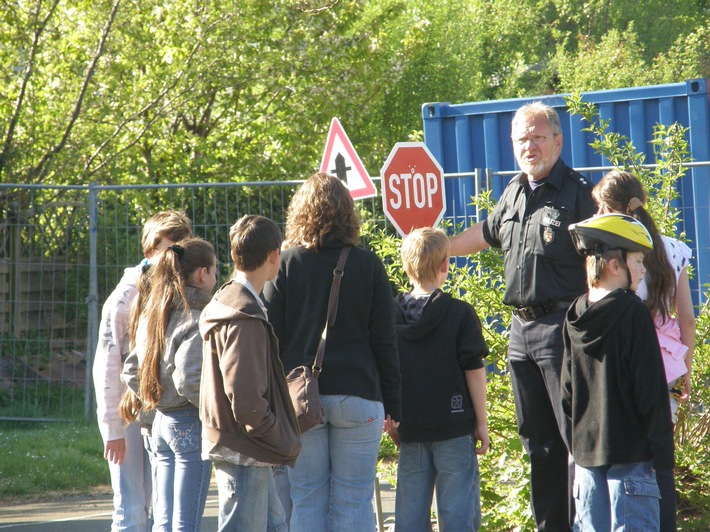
(40, 171)
(28, 71)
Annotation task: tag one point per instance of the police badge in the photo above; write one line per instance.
(548, 235)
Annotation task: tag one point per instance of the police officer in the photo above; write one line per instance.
(543, 274)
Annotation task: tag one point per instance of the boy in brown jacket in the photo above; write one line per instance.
(248, 421)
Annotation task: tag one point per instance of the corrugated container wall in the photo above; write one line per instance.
(470, 136)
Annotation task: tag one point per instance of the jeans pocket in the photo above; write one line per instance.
(185, 437)
(410, 457)
(455, 456)
(642, 504)
(226, 484)
(358, 411)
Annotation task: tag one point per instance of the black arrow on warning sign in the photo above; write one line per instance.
(340, 170)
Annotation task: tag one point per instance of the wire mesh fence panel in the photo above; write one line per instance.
(43, 312)
(212, 209)
(48, 311)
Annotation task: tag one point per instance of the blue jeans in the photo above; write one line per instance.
(283, 488)
(183, 478)
(452, 467)
(131, 483)
(248, 500)
(618, 497)
(333, 482)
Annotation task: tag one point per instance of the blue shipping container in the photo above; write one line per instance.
(470, 136)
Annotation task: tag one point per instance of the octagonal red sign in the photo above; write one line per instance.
(412, 187)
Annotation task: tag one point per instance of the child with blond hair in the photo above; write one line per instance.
(441, 351)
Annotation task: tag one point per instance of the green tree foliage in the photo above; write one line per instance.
(457, 50)
(615, 61)
(179, 91)
(688, 58)
(608, 45)
(38, 119)
(118, 91)
(657, 23)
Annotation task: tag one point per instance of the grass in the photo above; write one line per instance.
(39, 458)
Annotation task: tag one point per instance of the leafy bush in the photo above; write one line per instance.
(692, 443)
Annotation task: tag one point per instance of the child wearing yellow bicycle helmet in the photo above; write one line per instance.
(613, 383)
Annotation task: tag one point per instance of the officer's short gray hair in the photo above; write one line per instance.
(539, 108)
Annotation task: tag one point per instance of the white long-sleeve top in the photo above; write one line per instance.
(111, 351)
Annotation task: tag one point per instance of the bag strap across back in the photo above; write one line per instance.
(332, 309)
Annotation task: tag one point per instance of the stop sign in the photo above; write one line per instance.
(412, 187)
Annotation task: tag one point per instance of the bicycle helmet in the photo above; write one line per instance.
(610, 231)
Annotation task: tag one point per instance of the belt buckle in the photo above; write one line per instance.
(525, 313)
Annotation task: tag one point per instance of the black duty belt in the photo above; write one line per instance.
(538, 311)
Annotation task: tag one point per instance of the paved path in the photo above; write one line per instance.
(78, 514)
(93, 513)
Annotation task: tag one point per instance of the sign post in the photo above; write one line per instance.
(412, 187)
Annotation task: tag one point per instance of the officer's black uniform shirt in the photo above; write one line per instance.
(540, 262)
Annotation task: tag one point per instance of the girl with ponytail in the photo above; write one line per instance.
(666, 291)
(168, 348)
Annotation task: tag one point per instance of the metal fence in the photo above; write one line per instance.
(64, 248)
(62, 251)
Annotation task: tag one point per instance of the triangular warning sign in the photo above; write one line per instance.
(341, 160)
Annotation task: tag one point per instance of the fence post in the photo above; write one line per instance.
(92, 301)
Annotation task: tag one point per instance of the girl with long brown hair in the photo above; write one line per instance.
(168, 347)
(666, 291)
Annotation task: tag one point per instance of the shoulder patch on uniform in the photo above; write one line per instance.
(578, 178)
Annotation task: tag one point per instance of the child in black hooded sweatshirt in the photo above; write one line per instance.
(441, 351)
(613, 383)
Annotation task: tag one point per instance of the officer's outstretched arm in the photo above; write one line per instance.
(469, 241)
